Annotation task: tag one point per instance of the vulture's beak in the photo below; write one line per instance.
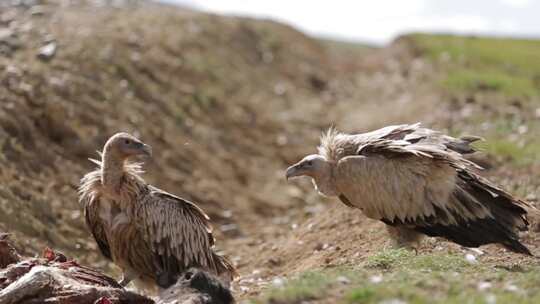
(293, 171)
(147, 150)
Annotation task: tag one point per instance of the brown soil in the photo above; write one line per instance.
(227, 104)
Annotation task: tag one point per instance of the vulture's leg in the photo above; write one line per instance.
(403, 237)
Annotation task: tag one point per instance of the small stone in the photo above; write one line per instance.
(537, 113)
(228, 227)
(483, 286)
(376, 279)
(278, 282)
(47, 51)
(227, 213)
(38, 10)
(343, 280)
(470, 258)
(5, 34)
(511, 288)
(491, 299)
(477, 251)
(280, 89)
(393, 301)
(522, 129)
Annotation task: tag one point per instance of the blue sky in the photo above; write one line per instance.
(380, 21)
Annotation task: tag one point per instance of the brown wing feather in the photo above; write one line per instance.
(89, 199)
(96, 226)
(179, 234)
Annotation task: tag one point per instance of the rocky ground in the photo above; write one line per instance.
(227, 104)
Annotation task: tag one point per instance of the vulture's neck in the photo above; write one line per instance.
(112, 171)
(324, 182)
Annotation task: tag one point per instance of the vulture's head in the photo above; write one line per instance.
(125, 146)
(312, 165)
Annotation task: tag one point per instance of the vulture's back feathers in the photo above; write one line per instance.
(180, 234)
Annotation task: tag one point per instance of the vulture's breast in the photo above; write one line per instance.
(129, 249)
(120, 229)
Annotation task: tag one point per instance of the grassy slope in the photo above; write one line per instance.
(425, 278)
(503, 77)
(490, 87)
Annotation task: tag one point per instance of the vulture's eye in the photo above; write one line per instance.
(127, 141)
(309, 163)
(188, 275)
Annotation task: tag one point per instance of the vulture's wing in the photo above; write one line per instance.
(179, 233)
(431, 189)
(391, 132)
(335, 145)
(96, 226)
(392, 135)
(89, 199)
(427, 136)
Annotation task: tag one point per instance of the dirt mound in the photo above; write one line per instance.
(215, 97)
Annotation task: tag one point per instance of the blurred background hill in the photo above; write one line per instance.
(227, 103)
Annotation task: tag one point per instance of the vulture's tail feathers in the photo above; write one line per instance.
(471, 138)
(463, 144)
(507, 216)
(518, 247)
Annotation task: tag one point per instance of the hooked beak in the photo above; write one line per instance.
(147, 150)
(293, 171)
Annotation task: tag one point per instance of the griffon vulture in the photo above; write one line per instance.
(150, 234)
(417, 182)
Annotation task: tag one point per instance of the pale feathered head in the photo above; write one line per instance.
(312, 165)
(316, 165)
(124, 146)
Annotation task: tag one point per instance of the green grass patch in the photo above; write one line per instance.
(401, 275)
(519, 154)
(388, 258)
(493, 80)
(308, 286)
(405, 259)
(509, 66)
